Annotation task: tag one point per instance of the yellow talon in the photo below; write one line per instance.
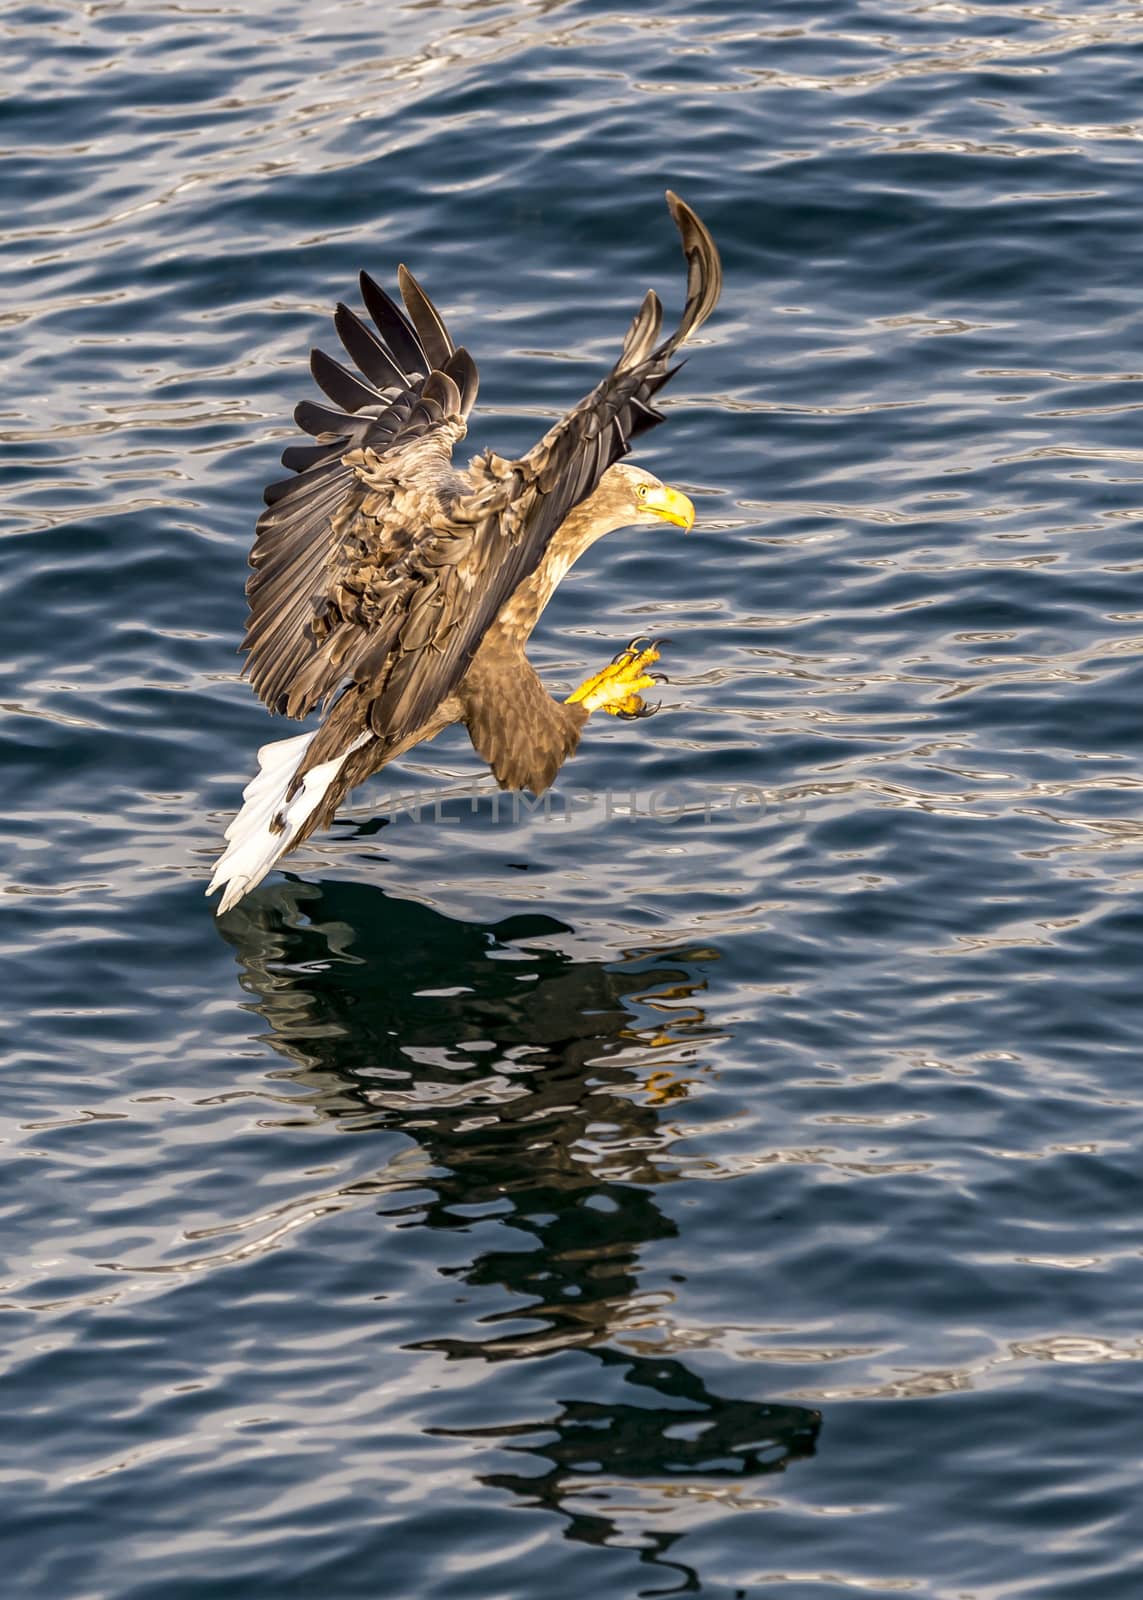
(615, 689)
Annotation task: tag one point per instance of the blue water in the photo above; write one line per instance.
(741, 1200)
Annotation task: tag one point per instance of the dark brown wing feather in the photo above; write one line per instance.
(517, 506)
(309, 540)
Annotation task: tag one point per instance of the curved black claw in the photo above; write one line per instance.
(658, 677)
(658, 644)
(637, 716)
(628, 651)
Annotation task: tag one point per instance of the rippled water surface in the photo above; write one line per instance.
(736, 1201)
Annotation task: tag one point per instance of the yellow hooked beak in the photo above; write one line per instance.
(670, 504)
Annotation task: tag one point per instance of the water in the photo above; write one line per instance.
(734, 1202)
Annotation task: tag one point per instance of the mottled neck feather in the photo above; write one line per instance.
(600, 513)
(584, 524)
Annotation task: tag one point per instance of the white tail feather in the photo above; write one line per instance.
(253, 845)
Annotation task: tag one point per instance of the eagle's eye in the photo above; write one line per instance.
(641, 491)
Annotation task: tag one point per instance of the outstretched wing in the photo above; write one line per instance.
(328, 530)
(516, 506)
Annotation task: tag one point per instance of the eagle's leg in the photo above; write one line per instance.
(616, 688)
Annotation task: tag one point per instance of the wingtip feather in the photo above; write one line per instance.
(426, 319)
(704, 268)
(393, 326)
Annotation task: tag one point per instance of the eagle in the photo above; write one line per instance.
(397, 591)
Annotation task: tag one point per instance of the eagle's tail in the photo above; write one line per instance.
(268, 825)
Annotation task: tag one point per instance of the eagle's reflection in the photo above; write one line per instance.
(534, 1082)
